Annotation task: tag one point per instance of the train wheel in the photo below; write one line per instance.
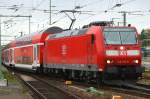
(37, 70)
(99, 79)
(45, 71)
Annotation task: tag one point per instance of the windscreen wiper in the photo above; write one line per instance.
(120, 38)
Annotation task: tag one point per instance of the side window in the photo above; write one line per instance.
(82, 31)
(75, 32)
(79, 32)
(68, 33)
(52, 36)
(62, 34)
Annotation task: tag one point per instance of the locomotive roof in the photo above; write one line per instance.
(69, 33)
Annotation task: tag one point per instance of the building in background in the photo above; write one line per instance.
(145, 41)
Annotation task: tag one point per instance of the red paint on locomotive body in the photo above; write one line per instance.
(123, 59)
(127, 53)
(80, 49)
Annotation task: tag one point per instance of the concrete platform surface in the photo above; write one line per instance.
(13, 93)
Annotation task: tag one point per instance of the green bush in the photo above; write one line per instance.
(9, 76)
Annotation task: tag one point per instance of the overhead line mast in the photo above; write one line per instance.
(50, 18)
(125, 15)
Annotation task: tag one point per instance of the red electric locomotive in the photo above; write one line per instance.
(93, 52)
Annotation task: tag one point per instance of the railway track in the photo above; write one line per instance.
(40, 86)
(129, 87)
(44, 90)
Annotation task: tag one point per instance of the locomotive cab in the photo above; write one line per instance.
(122, 52)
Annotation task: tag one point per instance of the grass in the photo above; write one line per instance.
(7, 75)
(13, 80)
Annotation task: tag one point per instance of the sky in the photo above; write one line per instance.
(91, 10)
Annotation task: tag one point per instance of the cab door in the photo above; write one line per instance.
(12, 56)
(35, 54)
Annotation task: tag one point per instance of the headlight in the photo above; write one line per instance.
(108, 61)
(133, 52)
(136, 61)
(112, 52)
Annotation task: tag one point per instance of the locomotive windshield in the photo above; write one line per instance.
(120, 35)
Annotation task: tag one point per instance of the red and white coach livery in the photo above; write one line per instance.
(27, 51)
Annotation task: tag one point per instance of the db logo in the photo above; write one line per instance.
(63, 49)
(122, 52)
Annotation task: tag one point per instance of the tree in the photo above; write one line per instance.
(145, 37)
